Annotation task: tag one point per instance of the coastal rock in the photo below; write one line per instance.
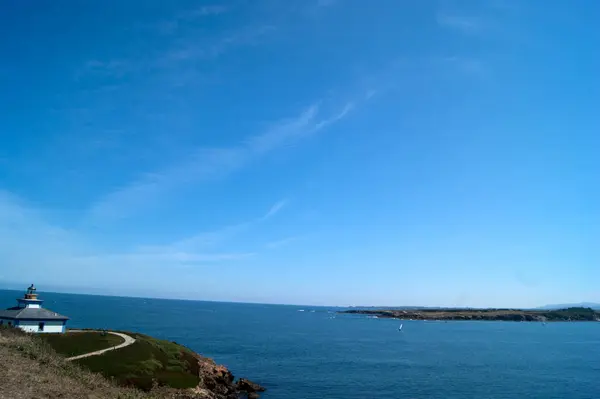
(217, 382)
(251, 388)
(214, 379)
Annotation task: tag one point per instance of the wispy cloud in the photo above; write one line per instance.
(283, 132)
(159, 258)
(176, 57)
(275, 209)
(470, 66)
(200, 247)
(22, 228)
(506, 5)
(209, 240)
(32, 245)
(203, 241)
(198, 49)
(151, 188)
(462, 23)
(282, 242)
(324, 123)
(186, 45)
(370, 94)
(497, 19)
(171, 25)
(209, 164)
(104, 66)
(202, 11)
(326, 3)
(113, 68)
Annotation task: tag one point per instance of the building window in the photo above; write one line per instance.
(41, 326)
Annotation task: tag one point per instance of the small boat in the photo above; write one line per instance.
(400, 328)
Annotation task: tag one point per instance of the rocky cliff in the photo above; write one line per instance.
(217, 382)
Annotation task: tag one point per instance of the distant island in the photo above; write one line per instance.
(568, 314)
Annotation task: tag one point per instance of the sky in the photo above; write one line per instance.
(325, 152)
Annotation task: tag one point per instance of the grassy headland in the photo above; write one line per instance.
(30, 368)
(146, 362)
(569, 314)
(148, 369)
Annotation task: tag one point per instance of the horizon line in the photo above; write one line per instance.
(297, 304)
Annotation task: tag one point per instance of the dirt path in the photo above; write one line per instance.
(127, 341)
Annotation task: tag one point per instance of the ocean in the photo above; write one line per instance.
(312, 353)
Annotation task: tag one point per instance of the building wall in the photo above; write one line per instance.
(49, 326)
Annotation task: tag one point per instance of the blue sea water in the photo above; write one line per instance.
(309, 355)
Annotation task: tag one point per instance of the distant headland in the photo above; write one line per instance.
(568, 314)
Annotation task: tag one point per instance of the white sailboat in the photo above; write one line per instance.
(400, 328)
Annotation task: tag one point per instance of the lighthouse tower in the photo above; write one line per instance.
(30, 300)
(29, 315)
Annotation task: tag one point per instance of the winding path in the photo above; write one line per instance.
(127, 341)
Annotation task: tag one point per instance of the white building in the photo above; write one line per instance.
(29, 315)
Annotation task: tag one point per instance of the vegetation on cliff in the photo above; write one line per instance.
(30, 368)
(148, 362)
(148, 369)
(570, 314)
(73, 344)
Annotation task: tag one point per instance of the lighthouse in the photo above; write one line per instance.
(30, 316)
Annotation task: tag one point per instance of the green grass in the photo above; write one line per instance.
(145, 361)
(78, 343)
(30, 368)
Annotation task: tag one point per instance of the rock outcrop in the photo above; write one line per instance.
(217, 382)
(250, 388)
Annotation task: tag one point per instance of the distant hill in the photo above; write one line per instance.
(595, 306)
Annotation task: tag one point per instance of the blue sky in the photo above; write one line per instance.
(313, 152)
